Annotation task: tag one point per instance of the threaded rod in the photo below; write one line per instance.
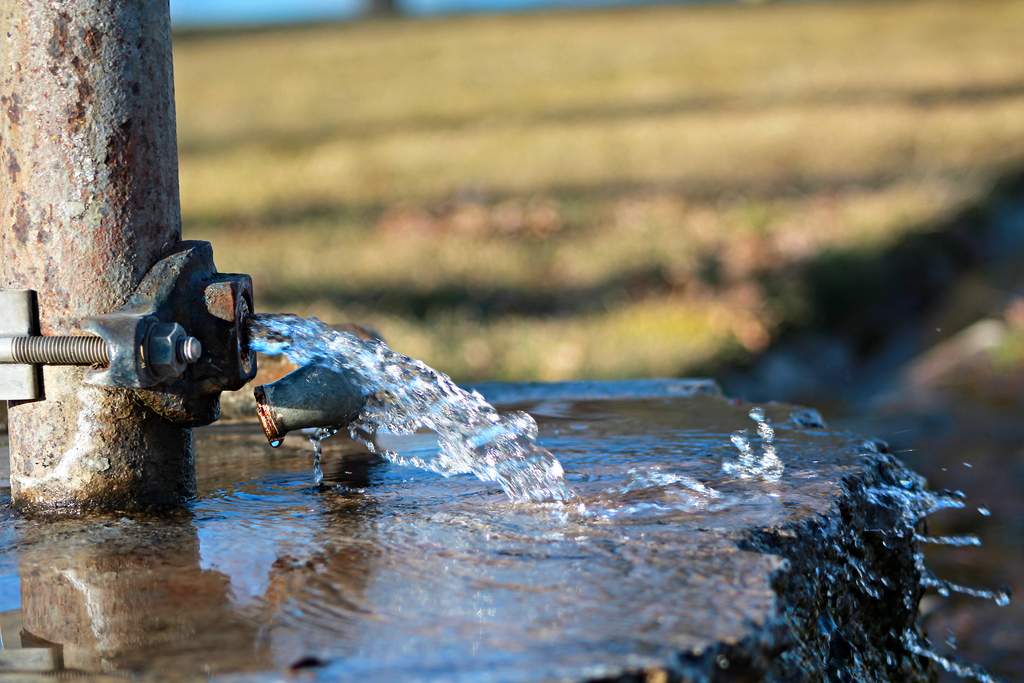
(60, 350)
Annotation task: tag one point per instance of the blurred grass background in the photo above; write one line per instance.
(590, 193)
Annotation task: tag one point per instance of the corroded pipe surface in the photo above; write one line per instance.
(89, 204)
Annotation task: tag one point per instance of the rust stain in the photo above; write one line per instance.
(21, 221)
(221, 301)
(93, 39)
(13, 168)
(77, 110)
(42, 234)
(59, 40)
(120, 160)
(13, 106)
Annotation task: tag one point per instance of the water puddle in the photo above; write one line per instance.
(621, 554)
(392, 572)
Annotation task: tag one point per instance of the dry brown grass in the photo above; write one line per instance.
(587, 193)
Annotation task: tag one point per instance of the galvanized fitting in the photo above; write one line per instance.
(190, 349)
(311, 396)
(168, 350)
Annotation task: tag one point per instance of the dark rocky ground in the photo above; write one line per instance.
(929, 358)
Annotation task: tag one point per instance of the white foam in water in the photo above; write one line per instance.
(405, 395)
(769, 467)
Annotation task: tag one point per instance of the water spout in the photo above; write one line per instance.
(312, 396)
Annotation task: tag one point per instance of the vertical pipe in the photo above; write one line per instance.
(88, 203)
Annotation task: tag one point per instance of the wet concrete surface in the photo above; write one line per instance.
(666, 567)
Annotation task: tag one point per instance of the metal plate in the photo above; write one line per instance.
(17, 319)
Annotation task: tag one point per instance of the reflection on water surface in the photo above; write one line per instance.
(389, 571)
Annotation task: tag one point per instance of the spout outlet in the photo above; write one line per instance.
(311, 396)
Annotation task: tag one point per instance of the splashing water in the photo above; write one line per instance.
(404, 396)
(913, 644)
(945, 588)
(915, 504)
(748, 466)
(969, 540)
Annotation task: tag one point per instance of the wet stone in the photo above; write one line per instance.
(672, 562)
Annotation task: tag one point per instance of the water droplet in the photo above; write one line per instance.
(969, 540)
(276, 443)
(984, 511)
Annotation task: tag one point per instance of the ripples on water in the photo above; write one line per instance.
(391, 572)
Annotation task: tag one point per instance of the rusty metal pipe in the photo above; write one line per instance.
(89, 205)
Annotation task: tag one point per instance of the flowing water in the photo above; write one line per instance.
(405, 396)
(629, 551)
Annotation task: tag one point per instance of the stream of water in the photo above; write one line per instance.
(405, 396)
(389, 572)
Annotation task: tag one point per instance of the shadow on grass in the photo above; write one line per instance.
(699, 189)
(853, 316)
(481, 302)
(864, 293)
(858, 294)
(301, 139)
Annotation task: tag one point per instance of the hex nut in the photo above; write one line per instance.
(161, 350)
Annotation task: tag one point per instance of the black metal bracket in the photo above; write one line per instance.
(183, 288)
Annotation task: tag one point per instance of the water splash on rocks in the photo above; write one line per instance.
(748, 466)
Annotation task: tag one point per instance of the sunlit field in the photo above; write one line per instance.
(600, 193)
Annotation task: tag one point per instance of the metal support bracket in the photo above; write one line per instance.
(18, 319)
(147, 348)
